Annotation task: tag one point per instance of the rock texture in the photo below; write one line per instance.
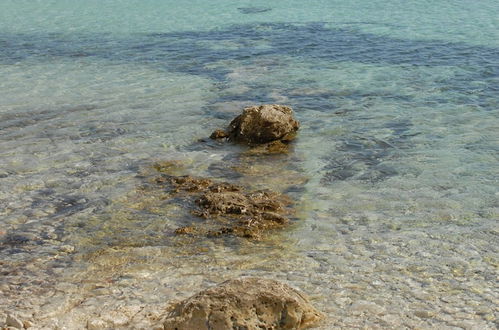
(228, 209)
(219, 134)
(261, 124)
(247, 303)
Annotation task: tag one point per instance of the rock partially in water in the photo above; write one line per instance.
(261, 124)
(247, 303)
(219, 134)
(227, 208)
(189, 183)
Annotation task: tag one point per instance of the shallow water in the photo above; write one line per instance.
(394, 173)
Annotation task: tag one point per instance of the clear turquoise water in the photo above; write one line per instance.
(397, 155)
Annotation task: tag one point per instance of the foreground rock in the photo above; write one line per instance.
(228, 209)
(248, 303)
(261, 124)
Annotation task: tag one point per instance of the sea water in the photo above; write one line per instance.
(394, 173)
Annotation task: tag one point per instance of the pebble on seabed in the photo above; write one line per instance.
(13, 321)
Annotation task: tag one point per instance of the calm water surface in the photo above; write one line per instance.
(394, 172)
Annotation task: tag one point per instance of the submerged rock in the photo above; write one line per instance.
(14, 322)
(253, 10)
(168, 166)
(274, 147)
(247, 303)
(227, 208)
(261, 124)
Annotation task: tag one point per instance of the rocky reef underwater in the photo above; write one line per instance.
(211, 209)
(229, 209)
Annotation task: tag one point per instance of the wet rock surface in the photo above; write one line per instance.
(261, 124)
(228, 209)
(219, 134)
(247, 303)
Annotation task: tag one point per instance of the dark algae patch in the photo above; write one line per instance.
(253, 10)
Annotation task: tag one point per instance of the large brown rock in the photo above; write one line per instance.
(247, 303)
(263, 124)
